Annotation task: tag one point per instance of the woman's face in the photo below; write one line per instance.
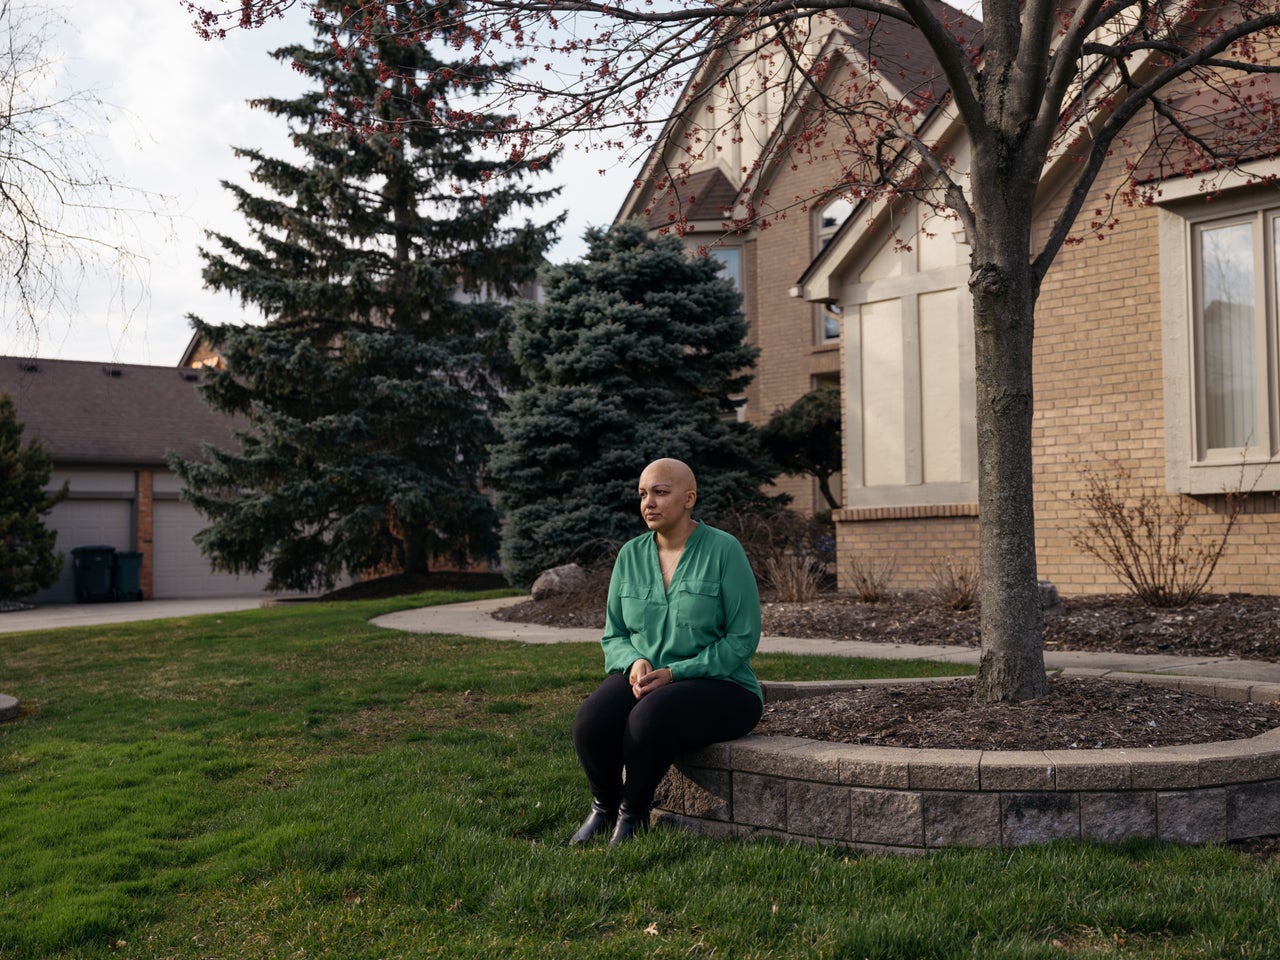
(665, 502)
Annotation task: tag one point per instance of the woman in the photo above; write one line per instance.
(682, 620)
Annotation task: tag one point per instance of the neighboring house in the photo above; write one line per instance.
(1156, 351)
(107, 427)
(698, 182)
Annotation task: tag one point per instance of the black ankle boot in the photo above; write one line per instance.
(631, 821)
(599, 821)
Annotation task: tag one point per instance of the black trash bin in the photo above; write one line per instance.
(126, 575)
(92, 569)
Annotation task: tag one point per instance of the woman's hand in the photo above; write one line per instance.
(644, 679)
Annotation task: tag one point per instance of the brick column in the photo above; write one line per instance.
(145, 525)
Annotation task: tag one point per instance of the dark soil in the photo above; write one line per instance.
(1080, 713)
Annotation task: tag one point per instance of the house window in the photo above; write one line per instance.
(1220, 264)
(828, 316)
(731, 258)
(1230, 320)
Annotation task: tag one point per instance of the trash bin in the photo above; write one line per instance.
(92, 569)
(126, 575)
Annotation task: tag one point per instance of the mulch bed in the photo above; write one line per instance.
(1079, 713)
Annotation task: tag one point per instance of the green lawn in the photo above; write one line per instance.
(293, 782)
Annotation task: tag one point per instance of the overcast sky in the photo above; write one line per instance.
(176, 106)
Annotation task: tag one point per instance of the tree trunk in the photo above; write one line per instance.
(1004, 295)
(824, 487)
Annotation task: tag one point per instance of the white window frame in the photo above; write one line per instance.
(1191, 466)
(824, 314)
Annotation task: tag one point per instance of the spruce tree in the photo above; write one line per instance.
(380, 262)
(637, 352)
(28, 561)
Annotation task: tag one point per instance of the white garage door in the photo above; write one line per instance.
(180, 569)
(86, 523)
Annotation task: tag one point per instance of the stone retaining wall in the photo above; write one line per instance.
(904, 800)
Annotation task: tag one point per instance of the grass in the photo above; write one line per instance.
(293, 782)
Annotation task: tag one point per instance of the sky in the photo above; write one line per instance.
(173, 108)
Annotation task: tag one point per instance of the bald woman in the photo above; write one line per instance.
(681, 623)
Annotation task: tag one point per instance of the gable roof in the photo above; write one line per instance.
(705, 195)
(895, 51)
(114, 413)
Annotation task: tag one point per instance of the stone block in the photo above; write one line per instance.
(1016, 770)
(1091, 769)
(1237, 691)
(760, 801)
(1116, 816)
(1038, 818)
(670, 793)
(961, 819)
(1192, 816)
(817, 761)
(1264, 693)
(818, 810)
(1253, 810)
(1160, 769)
(876, 766)
(704, 793)
(887, 817)
(716, 755)
(944, 770)
(770, 756)
(1237, 761)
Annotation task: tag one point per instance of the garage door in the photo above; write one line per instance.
(85, 523)
(180, 569)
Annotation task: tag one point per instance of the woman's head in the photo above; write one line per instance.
(668, 492)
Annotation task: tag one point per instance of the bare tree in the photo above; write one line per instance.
(1036, 87)
(62, 218)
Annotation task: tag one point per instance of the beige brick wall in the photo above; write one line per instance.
(1099, 402)
(917, 546)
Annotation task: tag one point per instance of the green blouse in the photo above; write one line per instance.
(707, 624)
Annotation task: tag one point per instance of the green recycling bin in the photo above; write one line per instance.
(126, 575)
(91, 567)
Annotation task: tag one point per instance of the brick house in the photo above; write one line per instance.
(1139, 365)
(108, 428)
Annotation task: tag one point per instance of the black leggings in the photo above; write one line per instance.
(613, 730)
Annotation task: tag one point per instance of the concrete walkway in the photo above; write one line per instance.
(474, 620)
(55, 615)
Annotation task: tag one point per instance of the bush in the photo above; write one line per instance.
(871, 577)
(788, 551)
(795, 577)
(955, 583)
(1147, 542)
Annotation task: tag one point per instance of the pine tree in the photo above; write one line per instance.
(380, 263)
(28, 561)
(636, 353)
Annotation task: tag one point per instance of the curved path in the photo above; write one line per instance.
(474, 619)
